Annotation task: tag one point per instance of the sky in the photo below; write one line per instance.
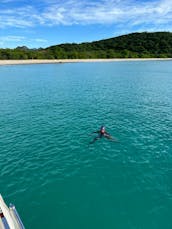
(42, 23)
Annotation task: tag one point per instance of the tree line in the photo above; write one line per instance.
(135, 45)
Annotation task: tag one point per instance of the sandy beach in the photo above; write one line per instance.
(18, 62)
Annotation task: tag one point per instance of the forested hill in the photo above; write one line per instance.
(135, 45)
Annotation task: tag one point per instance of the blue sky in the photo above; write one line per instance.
(42, 23)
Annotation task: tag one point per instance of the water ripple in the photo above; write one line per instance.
(47, 118)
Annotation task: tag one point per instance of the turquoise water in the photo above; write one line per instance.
(49, 170)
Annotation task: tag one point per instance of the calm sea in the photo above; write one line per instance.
(48, 169)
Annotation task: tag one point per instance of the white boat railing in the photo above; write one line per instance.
(9, 217)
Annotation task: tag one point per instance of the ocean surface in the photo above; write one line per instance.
(48, 169)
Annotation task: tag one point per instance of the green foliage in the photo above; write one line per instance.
(135, 45)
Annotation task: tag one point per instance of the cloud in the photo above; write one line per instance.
(11, 38)
(124, 13)
(16, 17)
(108, 12)
(7, 39)
(39, 40)
(14, 22)
(75, 12)
(19, 40)
(6, 1)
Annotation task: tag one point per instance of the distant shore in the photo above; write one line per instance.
(18, 62)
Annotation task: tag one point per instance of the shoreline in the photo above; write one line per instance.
(57, 61)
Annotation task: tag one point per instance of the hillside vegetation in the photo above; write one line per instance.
(135, 45)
